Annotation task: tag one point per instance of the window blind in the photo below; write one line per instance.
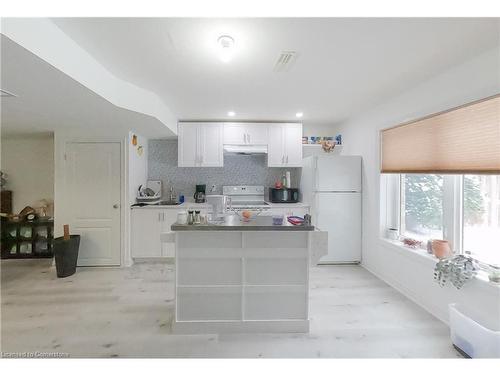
(461, 140)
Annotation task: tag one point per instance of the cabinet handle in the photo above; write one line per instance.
(248, 137)
(287, 159)
(159, 216)
(283, 159)
(244, 138)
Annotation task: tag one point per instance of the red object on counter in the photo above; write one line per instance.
(295, 220)
(278, 185)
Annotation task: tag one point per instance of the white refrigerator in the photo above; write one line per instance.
(332, 186)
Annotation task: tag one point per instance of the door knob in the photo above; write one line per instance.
(116, 205)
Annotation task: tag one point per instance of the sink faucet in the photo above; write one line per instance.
(172, 195)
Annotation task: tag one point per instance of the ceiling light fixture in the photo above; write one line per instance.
(231, 113)
(299, 114)
(226, 47)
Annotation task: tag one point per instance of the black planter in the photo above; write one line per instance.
(66, 255)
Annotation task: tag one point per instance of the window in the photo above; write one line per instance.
(422, 206)
(481, 219)
(463, 209)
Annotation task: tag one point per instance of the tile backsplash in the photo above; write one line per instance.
(237, 170)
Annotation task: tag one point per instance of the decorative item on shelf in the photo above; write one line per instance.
(305, 140)
(338, 139)
(457, 269)
(43, 208)
(134, 140)
(3, 180)
(328, 145)
(441, 248)
(410, 242)
(393, 234)
(26, 211)
(140, 150)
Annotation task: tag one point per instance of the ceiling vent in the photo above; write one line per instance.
(6, 94)
(285, 61)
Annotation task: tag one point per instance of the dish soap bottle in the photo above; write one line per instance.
(283, 180)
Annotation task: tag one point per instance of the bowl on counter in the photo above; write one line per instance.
(277, 220)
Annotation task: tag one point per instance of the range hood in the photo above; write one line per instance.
(245, 149)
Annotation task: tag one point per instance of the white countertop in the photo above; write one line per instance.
(201, 206)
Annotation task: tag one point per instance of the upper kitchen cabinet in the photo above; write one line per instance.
(200, 144)
(245, 133)
(285, 145)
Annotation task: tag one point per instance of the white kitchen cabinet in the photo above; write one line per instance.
(147, 227)
(285, 145)
(237, 133)
(200, 144)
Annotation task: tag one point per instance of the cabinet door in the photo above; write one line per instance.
(145, 228)
(275, 147)
(211, 146)
(187, 145)
(257, 133)
(168, 247)
(293, 145)
(234, 134)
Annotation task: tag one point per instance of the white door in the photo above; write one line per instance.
(293, 145)
(340, 215)
(146, 231)
(210, 145)
(93, 195)
(257, 134)
(234, 134)
(275, 148)
(339, 173)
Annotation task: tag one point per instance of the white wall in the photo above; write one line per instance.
(137, 165)
(29, 164)
(472, 80)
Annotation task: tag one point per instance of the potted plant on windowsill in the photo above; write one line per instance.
(457, 269)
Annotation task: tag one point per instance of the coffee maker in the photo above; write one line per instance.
(199, 195)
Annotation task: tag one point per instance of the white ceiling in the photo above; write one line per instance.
(48, 100)
(345, 65)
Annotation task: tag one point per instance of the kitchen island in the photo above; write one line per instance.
(239, 276)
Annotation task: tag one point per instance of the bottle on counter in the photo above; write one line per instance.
(197, 217)
(288, 180)
(190, 220)
(283, 180)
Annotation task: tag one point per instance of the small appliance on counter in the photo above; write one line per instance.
(149, 193)
(283, 195)
(200, 193)
(220, 205)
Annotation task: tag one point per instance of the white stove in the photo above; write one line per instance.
(246, 197)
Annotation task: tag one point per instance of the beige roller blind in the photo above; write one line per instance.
(462, 140)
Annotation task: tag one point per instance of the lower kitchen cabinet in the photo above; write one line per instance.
(147, 227)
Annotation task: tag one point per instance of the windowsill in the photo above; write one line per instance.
(423, 257)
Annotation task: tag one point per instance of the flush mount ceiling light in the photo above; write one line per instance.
(299, 114)
(226, 48)
(231, 113)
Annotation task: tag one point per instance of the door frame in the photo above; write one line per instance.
(62, 216)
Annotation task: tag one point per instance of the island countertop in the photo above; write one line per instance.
(234, 223)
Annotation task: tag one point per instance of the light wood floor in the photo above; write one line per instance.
(127, 312)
